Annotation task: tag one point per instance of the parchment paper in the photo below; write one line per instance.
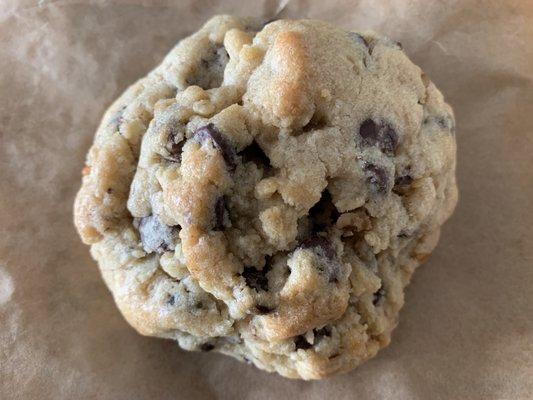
(466, 331)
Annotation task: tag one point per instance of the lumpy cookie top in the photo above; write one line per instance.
(267, 192)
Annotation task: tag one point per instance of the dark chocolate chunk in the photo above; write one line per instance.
(171, 300)
(301, 343)
(376, 177)
(403, 180)
(255, 278)
(378, 296)
(369, 131)
(263, 309)
(221, 213)
(174, 145)
(210, 132)
(379, 134)
(388, 141)
(321, 244)
(155, 235)
(207, 346)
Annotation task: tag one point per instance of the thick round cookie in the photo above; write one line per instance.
(267, 192)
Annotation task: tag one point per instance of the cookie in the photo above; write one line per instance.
(267, 192)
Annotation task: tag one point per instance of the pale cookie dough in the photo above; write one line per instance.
(267, 192)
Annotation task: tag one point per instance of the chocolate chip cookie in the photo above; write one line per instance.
(267, 192)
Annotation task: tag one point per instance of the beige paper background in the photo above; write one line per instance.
(466, 331)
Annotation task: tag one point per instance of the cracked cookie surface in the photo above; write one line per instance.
(268, 191)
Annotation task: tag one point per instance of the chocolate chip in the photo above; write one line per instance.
(109, 190)
(399, 44)
(322, 332)
(210, 132)
(376, 177)
(403, 180)
(255, 278)
(263, 309)
(221, 213)
(369, 130)
(171, 300)
(388, 141)
(380, 134)
(321, 244)
(301, 343)
(403, 235)
(155, 235)
(378, 296)
(174, 146)
(207, 346)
